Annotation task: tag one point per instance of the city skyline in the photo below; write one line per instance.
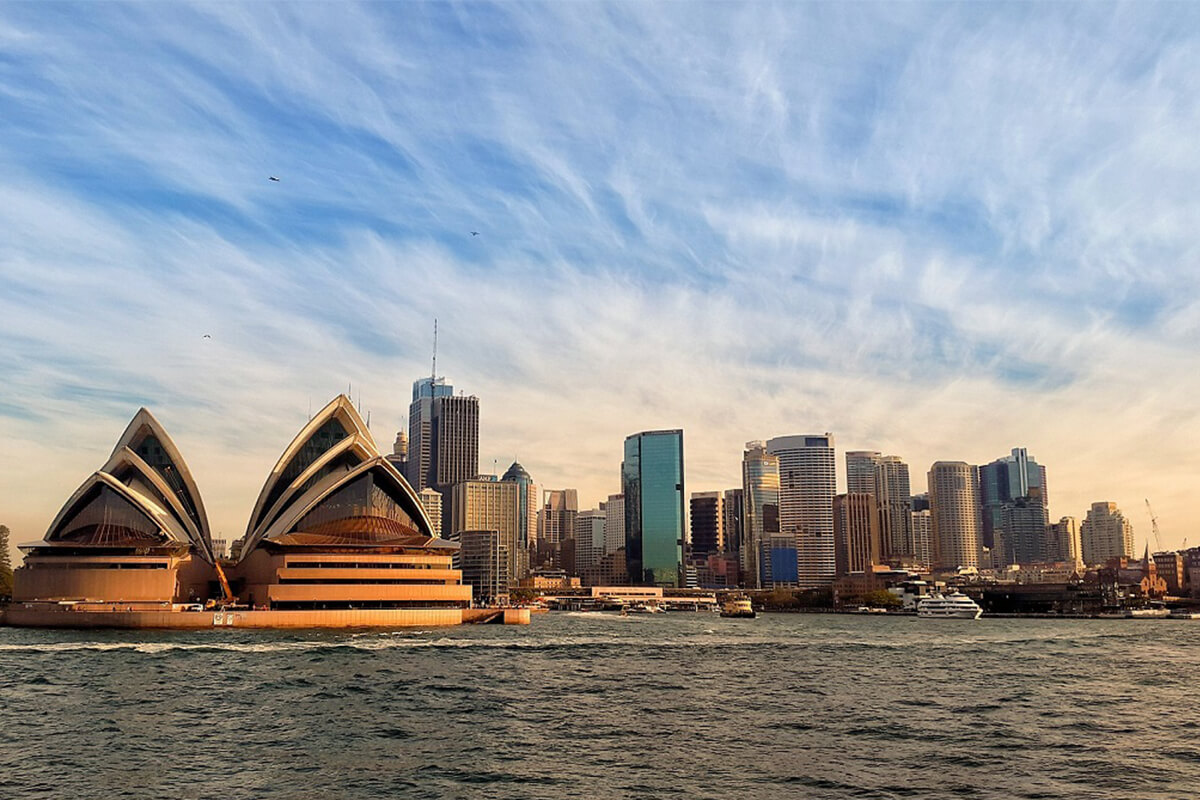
(742, 239)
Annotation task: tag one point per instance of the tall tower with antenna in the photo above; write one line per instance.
(443, 432)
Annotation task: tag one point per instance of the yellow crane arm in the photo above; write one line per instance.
(224, 582)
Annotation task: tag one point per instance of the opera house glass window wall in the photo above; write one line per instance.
(652, 481)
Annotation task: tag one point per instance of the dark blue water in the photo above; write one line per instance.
(678, 705)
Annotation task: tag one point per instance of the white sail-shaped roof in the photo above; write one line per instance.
(144, 494)
(333, 479)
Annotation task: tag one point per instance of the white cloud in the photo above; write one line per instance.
(936, 231)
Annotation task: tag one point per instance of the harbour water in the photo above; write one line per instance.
(596, 705)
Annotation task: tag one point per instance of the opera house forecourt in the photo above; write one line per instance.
(337, 538)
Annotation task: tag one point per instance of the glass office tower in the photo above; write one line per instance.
(652, 482)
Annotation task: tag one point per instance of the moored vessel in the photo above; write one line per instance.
(955, 604)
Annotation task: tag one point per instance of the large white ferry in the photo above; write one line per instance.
(955, 604)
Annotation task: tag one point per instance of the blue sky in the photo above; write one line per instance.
(936, 230)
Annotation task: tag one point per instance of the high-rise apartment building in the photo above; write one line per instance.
(708, 523)
(954, 503)
(1062, 542)
(807, 484)
(655, 516)
(420, 430)
(589, 539)
(894, 499)
(1105, 534)
(760, 498)
(431, 501)
(614, 523)
(856, 532)
(735, 516)
(860, 471)
(922, 534)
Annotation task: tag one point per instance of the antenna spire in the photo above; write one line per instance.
(433, 377)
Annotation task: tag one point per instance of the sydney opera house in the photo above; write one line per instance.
(336, 538)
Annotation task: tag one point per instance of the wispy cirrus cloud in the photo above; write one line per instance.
(937, 230)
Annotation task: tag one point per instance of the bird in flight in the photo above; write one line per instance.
(474, 233)
(207, 336)
(273, 178)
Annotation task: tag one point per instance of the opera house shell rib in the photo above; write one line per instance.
(134, 535)
(337, 527)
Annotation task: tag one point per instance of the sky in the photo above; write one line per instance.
(939, 231)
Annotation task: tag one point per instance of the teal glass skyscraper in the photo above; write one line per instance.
(652, 481)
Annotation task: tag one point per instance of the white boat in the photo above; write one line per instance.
(955, 604)
(643, 608)
(1147, 613)
(1180, 613)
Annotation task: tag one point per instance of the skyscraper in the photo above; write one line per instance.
(708, 523)
(1005, 480)
(922, 535)
(735, 517)
(557, 519)
(954, 503)
(652, 482)
(420, 430)
(455, 440)
(529, 501)
(856, 532)
(860, 471)
(1105, 534)
(1022, 531)
(614, 523)
(489, 505)
(894, 498)
(589, 539)
(807, 484)
(760, 498)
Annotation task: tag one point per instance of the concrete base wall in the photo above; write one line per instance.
(43, 617)
(497, 616)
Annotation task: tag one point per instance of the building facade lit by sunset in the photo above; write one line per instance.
(955, 514)
(807, 484)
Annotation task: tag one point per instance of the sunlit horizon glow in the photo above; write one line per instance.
(936, 231)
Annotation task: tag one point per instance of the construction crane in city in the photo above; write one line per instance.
(1154, 526)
